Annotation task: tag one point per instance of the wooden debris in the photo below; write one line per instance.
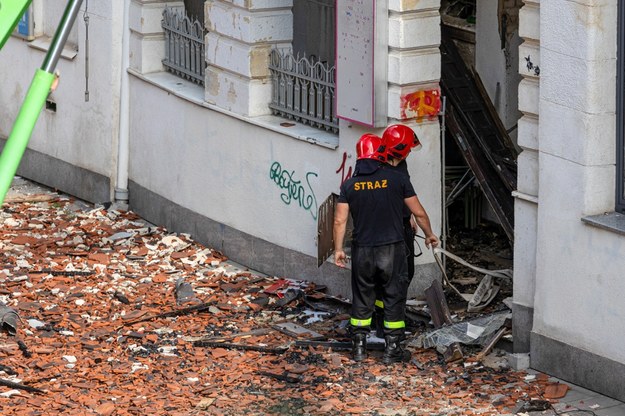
(491, 343)
(297, 331)
(170, 314)
(11, 199)
(282, 377)
(244, 347)
(239, 335)
(441, 316)
(94, 288)
(14, 385)
(337, 345)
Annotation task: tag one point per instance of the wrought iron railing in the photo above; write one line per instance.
(303, 90)
(184, 45)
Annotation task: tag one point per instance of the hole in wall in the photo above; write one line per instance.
(51, 106)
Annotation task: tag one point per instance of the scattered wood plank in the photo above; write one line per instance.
(282, 377)
(170, 314)
(491, 343)
(14, 385)
(30, 198)
(255, 332)
(244, 347)
(439, 311)
(297, 331)
(337, 345)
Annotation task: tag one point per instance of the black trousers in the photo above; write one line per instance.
(385, 267)
(409, 241)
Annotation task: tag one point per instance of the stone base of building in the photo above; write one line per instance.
(522, 321)
(254, 252)
(58, 174)
(577, 366)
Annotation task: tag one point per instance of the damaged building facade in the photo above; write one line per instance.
(222, 125)
(226, 120)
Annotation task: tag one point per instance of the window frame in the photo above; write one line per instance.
(620, 111)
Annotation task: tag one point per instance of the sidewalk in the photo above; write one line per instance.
(120, 317)
(589, 402)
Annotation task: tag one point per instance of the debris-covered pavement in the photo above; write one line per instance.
(105, 314)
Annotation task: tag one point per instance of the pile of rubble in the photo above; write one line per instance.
(105, 314)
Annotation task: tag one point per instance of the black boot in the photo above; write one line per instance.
(394, 351)
(379, 322)
(359, 347)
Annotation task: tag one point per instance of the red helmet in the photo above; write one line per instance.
(370, 147)
(399, 140)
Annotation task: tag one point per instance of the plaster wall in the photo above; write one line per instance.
(525, 215)
(249, 25)
(81, 133)
(52, 11)
(237, 173)
(526, 204)
(216, 162)
(527, 175)
(528, 132)
(578, 267)
(146, 33)
(497, 66)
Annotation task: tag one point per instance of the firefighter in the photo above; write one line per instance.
(375, 199)
(395, 133)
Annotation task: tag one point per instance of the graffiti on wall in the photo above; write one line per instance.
(345, 172)
(530, 66)
(420, 105)
(294, 190)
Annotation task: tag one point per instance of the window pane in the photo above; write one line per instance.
(195, 9)
(313, 29)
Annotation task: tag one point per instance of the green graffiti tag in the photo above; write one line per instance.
(294, 190)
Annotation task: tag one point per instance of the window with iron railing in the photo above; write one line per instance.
(303, 90)
(184, 45)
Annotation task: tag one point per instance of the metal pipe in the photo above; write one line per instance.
(60, 36)
(123, 149)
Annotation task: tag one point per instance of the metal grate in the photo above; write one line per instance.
(303, 90)
(325, 225)
(184, 45)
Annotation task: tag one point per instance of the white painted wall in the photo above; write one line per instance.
(578, 268)
(497, 67)
(198, 156)
(577, 139)
(526, 203)
(81, 133)
(219, 166)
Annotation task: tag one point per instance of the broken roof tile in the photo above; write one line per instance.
(101, 283)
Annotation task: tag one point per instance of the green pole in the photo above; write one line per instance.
(22, 129)
(10, 13)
